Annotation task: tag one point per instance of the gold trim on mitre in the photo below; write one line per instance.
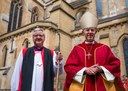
(88, 20)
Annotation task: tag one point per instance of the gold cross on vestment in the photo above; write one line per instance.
(89, 55)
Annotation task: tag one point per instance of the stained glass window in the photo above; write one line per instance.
(15, 16)
(99, 7)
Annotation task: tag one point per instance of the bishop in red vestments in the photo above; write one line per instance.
(92, 66)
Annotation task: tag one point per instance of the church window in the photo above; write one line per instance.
(15, 16)
(34, 15)
(125, 47)
(26, 43)
(4, 55)
(78, 16)
(99, 8)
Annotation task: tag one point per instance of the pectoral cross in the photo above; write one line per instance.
(89, 55)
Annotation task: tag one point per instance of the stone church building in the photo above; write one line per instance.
(60, 20)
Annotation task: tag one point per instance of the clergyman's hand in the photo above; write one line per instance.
(93, 70)
(59, 56)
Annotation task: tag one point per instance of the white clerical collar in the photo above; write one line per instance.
(86, 42)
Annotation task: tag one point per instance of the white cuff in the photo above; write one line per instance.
(79, 76)
(107, 75)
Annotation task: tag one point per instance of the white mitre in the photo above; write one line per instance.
(88, 20)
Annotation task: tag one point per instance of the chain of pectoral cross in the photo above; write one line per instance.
(89, 52)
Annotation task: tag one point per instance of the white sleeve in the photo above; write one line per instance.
(55, 65)
(107, 75)
(16, 73)
(79, 77)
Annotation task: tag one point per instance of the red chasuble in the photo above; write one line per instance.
(100, 54)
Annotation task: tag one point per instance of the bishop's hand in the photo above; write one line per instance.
(93, 70)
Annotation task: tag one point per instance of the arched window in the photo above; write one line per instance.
(99, 7)
(125, 47)
(4, 55)
(26, 43)
(34, 15)
(15, 16)
(78, 16)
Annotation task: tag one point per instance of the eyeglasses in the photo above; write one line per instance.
(36, 35)
(90, 29)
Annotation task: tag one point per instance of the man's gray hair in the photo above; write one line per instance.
(38, 29)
